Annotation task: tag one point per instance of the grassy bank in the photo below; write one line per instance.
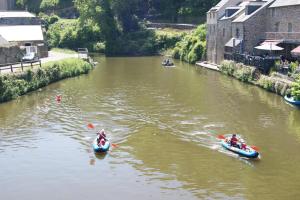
(15, 85)
(251, 75)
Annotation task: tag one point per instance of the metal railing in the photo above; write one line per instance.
(264, 64)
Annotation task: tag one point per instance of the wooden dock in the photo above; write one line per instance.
(208, 65)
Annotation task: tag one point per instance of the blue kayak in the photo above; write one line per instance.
(291, 100)
(101, 148)
(249, 152)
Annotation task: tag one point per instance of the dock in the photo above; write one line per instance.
(208, 65)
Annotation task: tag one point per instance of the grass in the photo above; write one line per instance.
(66, 51)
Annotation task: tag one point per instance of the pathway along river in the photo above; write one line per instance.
(165, 121)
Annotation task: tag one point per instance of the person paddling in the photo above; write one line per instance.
(233, 141)
(101, 137)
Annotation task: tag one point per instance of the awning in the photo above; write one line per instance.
(233, 42)
(269, 47)
(296, 51)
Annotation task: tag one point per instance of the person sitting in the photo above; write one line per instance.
(101, 136)
(243, 145)
(233, 141)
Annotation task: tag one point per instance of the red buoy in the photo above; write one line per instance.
(58, 98)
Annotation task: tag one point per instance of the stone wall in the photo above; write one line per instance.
(224, 25)
(283, 16)
(254, 30)
(10, 54)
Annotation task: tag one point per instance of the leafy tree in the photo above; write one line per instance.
(49, 4)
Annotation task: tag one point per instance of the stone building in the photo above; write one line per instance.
(7, 4)
(239, 26)
(23, 29)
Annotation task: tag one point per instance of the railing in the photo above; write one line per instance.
(264, 64)
(286, 36)
(21, 65)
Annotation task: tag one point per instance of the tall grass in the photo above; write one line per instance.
(14, 85)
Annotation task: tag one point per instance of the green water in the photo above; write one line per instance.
(165, 122)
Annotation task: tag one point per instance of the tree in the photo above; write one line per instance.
(100, 13)
(49, 4)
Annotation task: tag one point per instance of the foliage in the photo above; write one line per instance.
(295, 89)
(243, 73)
(49, 4)
(192, 47)
(250, 74)
(12, 86)
(72, 34)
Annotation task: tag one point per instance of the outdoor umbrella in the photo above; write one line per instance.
(296, 51)
(269, 47)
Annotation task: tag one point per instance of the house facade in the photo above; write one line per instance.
(7, 4)
(240, 26)
(23, 29)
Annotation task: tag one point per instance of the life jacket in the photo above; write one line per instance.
(233, 141)
(244, 146)
(102, 142)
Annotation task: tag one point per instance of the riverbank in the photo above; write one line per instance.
(18, 84)
(251, 75)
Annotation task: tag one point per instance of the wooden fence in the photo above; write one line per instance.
(22, 65)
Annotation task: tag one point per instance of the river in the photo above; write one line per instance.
(165, 122)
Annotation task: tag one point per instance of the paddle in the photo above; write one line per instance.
(255, 148)
(91, 126)
(221, 137)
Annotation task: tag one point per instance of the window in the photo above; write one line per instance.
(237, 33)
(273, 12)
(223, 32)
(214, 28)
(290, 27)
(277, 27)
(213, 15)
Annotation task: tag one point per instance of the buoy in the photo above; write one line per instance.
(91, 126)
(58, 98)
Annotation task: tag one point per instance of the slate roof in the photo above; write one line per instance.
(282, 3)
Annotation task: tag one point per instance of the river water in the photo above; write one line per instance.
(165, 122)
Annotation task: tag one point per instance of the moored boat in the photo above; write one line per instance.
(291, 100)
(249, 152)
(101, 148)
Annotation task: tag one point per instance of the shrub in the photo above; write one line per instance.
(12, 86)
(192, 47)
(295, 89)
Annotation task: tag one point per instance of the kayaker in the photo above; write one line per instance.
(101, 137)
(234, 140)
(243, 145)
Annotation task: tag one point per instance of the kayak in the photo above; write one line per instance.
(249, 152)
(291, 100)
(101, 148)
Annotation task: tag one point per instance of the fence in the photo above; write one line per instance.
(264, 64)
(17, 65)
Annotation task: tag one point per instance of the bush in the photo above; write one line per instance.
(295, 89)
(12, 86)
(192, 47)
